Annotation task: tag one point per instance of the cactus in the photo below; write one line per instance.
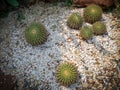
(86, 32)
(35, 34)
(92, 13)
(74, 21)
(66, 73)
(99, 28)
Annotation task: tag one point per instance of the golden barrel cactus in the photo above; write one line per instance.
(35, 34)
(66, 73)
(92, 13)
(74, 21)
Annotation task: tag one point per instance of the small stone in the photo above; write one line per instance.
(110, 74)
(85, 85)
(97, 62)
(69, 39)
(100, 88)
(100, 81)
(90, 81)
(96, 84)
(77, 34)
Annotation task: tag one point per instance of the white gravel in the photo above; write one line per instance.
(38, 63)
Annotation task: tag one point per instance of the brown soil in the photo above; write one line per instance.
(6, 81)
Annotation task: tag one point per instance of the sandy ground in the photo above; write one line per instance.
(34, 67)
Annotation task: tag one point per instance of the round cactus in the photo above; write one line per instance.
(66, 73)
(99, 28)
(36, 34)
(74, 21)
(86, 32)
(92, 13)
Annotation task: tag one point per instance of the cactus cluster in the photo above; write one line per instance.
(92, 14)
(66, 73)
(35, 34)
(74, 21)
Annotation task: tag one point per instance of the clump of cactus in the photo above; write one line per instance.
(86, 32)
(99, 28)
(74, 21)
(92, 13)
(66, 73)
(35, 34)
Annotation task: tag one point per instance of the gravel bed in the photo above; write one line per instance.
(97, 59)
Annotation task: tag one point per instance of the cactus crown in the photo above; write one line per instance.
(99, 28)
(74, 21)
(92, 13)
(86, 32)
(66, 73)
(35, 34)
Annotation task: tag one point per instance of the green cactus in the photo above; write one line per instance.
(99, 28)
(66, 73)
(86, 32)
(74, 21)
(92, 13)
(35, 34)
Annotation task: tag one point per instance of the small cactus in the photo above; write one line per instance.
(99, 28)
(66, 73)
(86, 32)
(92, 13)
(74, 21)
(36, 34)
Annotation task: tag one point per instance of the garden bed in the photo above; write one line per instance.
(97, 59)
